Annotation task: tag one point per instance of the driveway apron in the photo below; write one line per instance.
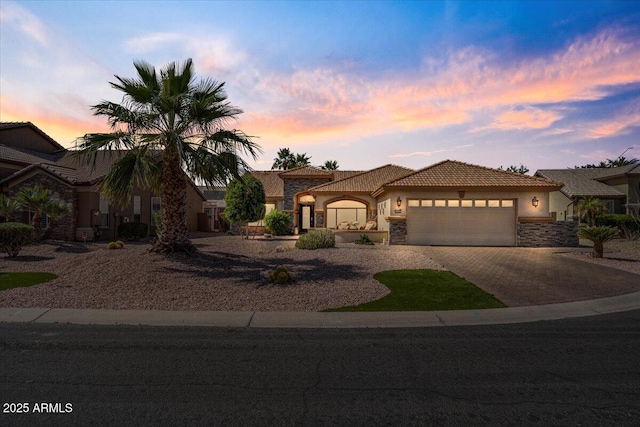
(534, 276)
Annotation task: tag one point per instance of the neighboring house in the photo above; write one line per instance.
(448, 203)
(29, 157)
(618, 188)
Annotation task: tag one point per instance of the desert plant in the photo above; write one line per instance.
(277, 222)
(280, 275)
(133, 230)
(34, 199)
(15, 235)
(628, 225)
(364, 240)
(317, 239)
(55, 209)
(120, 244)
(115, 245)
(599, 235)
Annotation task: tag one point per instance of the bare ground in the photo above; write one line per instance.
(228, 273)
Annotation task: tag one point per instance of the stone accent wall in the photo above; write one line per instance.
(397, 232)
(66, 227)
(548, 234)
(319, 220)
(293, 186)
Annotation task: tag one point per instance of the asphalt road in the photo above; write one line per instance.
(571, 372)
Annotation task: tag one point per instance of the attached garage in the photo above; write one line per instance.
(454, 222)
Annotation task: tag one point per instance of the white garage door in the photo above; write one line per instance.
(461, 222)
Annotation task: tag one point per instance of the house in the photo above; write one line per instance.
(618, 188)
(28, 157)
(448, 203)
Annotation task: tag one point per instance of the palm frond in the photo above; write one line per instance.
(138, 167)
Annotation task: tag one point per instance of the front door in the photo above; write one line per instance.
(305, 217)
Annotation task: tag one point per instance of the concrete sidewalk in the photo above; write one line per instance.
(252, 319)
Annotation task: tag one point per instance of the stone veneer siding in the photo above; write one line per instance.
(65, 228)
(397, 232)
(292, 186)
(319, 219)
(548, 234)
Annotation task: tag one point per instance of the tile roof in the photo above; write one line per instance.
(271, 181)
(367, 181)
(605, 173)
(306, 171)
(581, 182)
(338, 174)
(451, 173)
(27, 157)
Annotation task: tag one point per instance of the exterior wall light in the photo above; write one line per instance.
(535, 202)
(399, 201)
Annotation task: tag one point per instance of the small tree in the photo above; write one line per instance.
(330, 165)
(599, 236)
(589, 208)
(13, 236)
(244, 201)
(34, 199)
(8, 207)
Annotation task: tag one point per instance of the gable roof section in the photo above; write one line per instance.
(619, 171)
(14, 125)
(306, 171)
(272, 183)
(581, 182)
(364, 182)
(451, 173)
(23, 156)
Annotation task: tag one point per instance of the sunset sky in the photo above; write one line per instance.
(545, 84)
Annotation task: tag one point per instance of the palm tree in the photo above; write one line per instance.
(168, 124)
(599, 236)
(55, 209)
(34, 199)
(302, 160)
(8, 207)
(589, 208)
(285, 160)
(330, 165)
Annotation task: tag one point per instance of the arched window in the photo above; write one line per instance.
(345, 210)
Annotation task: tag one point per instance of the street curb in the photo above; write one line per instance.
(250, 319)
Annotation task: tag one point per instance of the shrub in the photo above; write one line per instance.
(120, 244)
(280, 275)
(278, 222)
(618, 220)
(15, 235)
(317, 239)
(113, 245)
(133, 230)
(364, 240)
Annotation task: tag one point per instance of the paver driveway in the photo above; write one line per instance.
(533, 276)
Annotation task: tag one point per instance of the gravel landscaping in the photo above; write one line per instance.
(228, 273)
(620, 253)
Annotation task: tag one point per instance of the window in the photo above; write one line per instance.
(439, 203)
(104, 210)
(136, 209)
(466, 203)
(494, 203)
(427, 203)
(480, 203)
(453, 203)
(345, 210)
(413, 203)
(156, 205)
(507, 203)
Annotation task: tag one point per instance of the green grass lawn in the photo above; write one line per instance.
(426, 290)
(17, 280)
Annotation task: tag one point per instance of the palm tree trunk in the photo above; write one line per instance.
(37, 226)
(174, 236)
(598, 249)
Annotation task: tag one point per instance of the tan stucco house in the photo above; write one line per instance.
(618, 188)
(448, 203)
(28, 156)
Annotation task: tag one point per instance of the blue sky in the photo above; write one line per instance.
(545, 84)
